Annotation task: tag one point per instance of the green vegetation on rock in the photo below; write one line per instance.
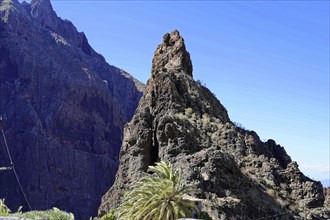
(4, 210)
(158, 195)
(109, 216)
(52, 214)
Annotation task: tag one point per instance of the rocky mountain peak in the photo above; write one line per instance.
(171, 86)
(171, 54)
(238, 175)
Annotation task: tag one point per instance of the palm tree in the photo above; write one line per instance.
(158, 196)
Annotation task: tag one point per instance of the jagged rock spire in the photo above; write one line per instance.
(171, 54)
(180, 121)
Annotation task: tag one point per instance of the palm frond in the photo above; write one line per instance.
(158, 195)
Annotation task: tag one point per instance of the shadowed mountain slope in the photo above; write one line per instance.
(64, 109)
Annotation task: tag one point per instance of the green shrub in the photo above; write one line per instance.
(179, 116)
(4, 210)
(52, 214)
(188, 111)
(109, 216)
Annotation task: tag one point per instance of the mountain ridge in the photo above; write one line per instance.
(63, 108)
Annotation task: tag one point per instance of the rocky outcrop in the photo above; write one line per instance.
(181, 121)
(63, 108)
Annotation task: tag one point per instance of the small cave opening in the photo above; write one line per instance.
(154, 155)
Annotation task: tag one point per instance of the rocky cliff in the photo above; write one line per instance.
(181, 121)
(64, 109)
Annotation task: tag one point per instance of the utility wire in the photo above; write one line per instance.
(12, 164)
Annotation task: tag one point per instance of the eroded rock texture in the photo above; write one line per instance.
(64, 109)
(238, 175)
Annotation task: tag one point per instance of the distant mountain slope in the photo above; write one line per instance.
(237, 175)
(64, 109)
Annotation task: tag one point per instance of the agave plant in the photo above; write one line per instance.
(158, 196)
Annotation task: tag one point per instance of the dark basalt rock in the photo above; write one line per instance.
(64, 109)
(181, 121)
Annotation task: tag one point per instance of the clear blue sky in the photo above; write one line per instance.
(266, 61)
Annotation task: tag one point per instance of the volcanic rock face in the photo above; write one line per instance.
(179, 120)
(64, 109)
